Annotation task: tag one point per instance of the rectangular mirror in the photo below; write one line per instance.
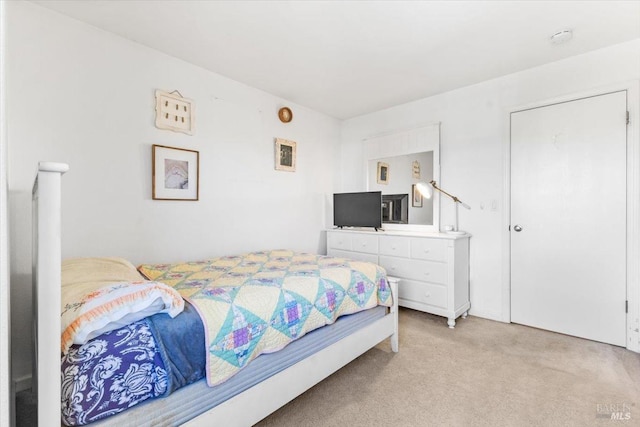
(399, 203)
(395, 163)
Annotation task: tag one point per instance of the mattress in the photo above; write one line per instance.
(195, 399)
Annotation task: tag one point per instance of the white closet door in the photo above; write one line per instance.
(568, 198)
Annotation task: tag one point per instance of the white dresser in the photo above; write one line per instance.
(433, 268)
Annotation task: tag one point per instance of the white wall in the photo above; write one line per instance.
(473, 136)
(82, 96)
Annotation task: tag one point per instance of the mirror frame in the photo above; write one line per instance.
(400, 143)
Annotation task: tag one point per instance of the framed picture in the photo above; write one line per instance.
(285, 155)
(383, 173)
(174, 112)
(416, 200)
(415, 167)
(175, 173)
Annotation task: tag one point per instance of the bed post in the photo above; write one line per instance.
(393, 281)
(46, 277)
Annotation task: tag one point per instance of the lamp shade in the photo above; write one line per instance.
(425, 189)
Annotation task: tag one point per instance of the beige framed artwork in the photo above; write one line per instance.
(382, 176)
(175, 173)
(285, 155)
(416, 201)
(415, 168)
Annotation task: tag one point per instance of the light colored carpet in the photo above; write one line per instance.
(482, 373)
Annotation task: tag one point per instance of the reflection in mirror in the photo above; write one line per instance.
(395, 208)
(396, 177)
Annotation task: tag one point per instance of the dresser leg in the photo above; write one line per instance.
(451, 322)
(464, 315)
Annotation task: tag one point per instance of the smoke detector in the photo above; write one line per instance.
(561, 37)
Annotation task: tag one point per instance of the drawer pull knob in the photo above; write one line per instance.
(427, 295)
(393, 248)
(426, 251)
(393, 268)
(427, 273)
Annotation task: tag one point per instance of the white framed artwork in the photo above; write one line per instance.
(174, 112)
(382, 177)
(175, 173)
(285, 155)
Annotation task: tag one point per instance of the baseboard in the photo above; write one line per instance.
(487, 315)
(22, 383)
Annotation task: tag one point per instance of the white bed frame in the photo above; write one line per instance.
(244, 409)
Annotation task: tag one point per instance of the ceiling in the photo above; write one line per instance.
(348, 58)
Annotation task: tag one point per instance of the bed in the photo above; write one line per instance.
(257, 389)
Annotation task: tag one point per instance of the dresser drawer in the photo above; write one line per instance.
(395, 246)
(358, 256)
(413, 269)
(364, 243)
(429, 249)
(339, 241)
(425, 293)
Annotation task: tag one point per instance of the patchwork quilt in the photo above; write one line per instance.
(259, 302)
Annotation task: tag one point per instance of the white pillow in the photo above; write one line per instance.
(99, 296)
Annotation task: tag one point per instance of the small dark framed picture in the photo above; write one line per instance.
(175, 173)
(285, 155)
(416, 200)
(383, 173)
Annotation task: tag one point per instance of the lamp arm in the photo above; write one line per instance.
(455, 199)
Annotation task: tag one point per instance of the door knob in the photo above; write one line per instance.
(517, 228)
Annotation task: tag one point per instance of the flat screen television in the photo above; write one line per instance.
(358, 209)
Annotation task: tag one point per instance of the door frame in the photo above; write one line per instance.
(7, 412)
(633, 201)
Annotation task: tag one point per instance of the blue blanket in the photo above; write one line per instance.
(182, 352)
(117, 370)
